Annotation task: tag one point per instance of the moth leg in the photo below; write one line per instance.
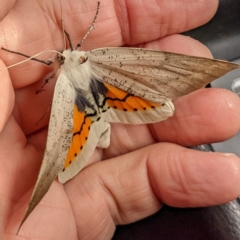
(44, 84)
(48, 110)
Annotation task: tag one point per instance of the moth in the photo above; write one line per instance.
(124, 85)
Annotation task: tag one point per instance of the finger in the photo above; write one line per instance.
(148, 20)
(128, 188)
(204, 116)
(100, 194)
(183, 177)
(6, 6)
(6, 96)
(21, 167)
(27, 40)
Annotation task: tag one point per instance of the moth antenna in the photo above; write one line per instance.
(62, 25)
(91, 28)
(64, 37)
(45, 83)
(32, 57)
(27, 56)
(69, 40)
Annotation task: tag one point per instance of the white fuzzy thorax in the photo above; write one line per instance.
(77, 71)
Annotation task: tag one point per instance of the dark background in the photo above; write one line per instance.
(222, 36)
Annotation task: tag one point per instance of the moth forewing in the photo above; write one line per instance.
(57, 143)
(154, 75)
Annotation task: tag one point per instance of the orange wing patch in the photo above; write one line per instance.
(121, 100)
(80, 135)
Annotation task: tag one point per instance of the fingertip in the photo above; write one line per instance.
(216, 113)
(161, 18)
(188, 178)
(6, 96)
(203, 116)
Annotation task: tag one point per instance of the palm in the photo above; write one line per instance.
(22, 141)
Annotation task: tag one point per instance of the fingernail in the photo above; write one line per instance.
(228, 154)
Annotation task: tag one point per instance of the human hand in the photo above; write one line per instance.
(147, 165)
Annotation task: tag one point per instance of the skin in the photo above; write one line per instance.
(145, 166)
